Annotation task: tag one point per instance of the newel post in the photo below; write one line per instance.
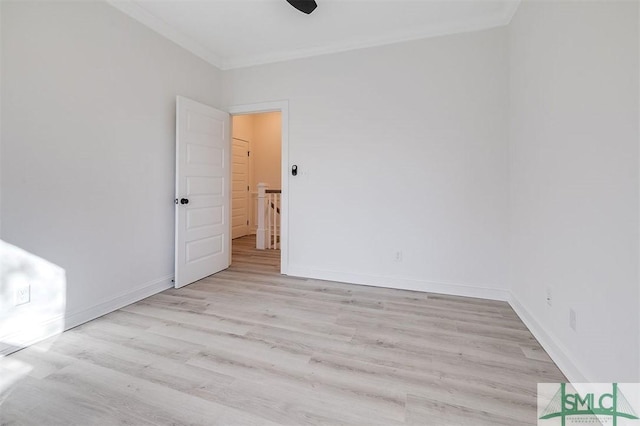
(262, 215)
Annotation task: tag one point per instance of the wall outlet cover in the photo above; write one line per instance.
(23, 295)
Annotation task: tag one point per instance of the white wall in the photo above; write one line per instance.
(266, 150)
(400, 147)
(88, 142)
(574, 182)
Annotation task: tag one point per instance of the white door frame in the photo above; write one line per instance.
(283, 108)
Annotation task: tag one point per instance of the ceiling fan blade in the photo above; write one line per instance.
(305, 6)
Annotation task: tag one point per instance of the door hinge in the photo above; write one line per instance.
(247, 222)
(248, 153)
(247, 187)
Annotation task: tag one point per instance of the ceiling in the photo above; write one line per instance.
(240, 33)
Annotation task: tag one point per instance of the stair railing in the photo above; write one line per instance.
(268, 232)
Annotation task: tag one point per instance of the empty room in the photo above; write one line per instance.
(287, 212)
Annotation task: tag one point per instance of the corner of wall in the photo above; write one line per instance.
(510, 10)
(558, 353)
(141, 15)
(578, 360)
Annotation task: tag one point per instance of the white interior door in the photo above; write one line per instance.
(240, 188)
(202, 191)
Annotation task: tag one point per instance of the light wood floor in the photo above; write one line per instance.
(248, 346)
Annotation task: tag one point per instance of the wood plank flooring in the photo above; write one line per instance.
(248, 346)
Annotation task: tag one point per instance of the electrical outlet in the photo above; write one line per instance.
(398, 256)
(549, 297)
(572, 319)
(23, 294)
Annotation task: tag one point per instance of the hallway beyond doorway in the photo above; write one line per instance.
(246, 257)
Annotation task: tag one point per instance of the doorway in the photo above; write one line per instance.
(259, 164)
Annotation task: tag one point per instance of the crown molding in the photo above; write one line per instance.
(448, 28)
(129, 7)
(138, 13)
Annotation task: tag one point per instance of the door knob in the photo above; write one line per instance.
(184, 201)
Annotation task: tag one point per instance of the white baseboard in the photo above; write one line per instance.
(454, 289)
(74, 319)
(46, 329)
(62, 322)
(558, 353)
(556, 350)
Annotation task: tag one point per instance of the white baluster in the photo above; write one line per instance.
(269, 201)
(262, 215)
(275, 220)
